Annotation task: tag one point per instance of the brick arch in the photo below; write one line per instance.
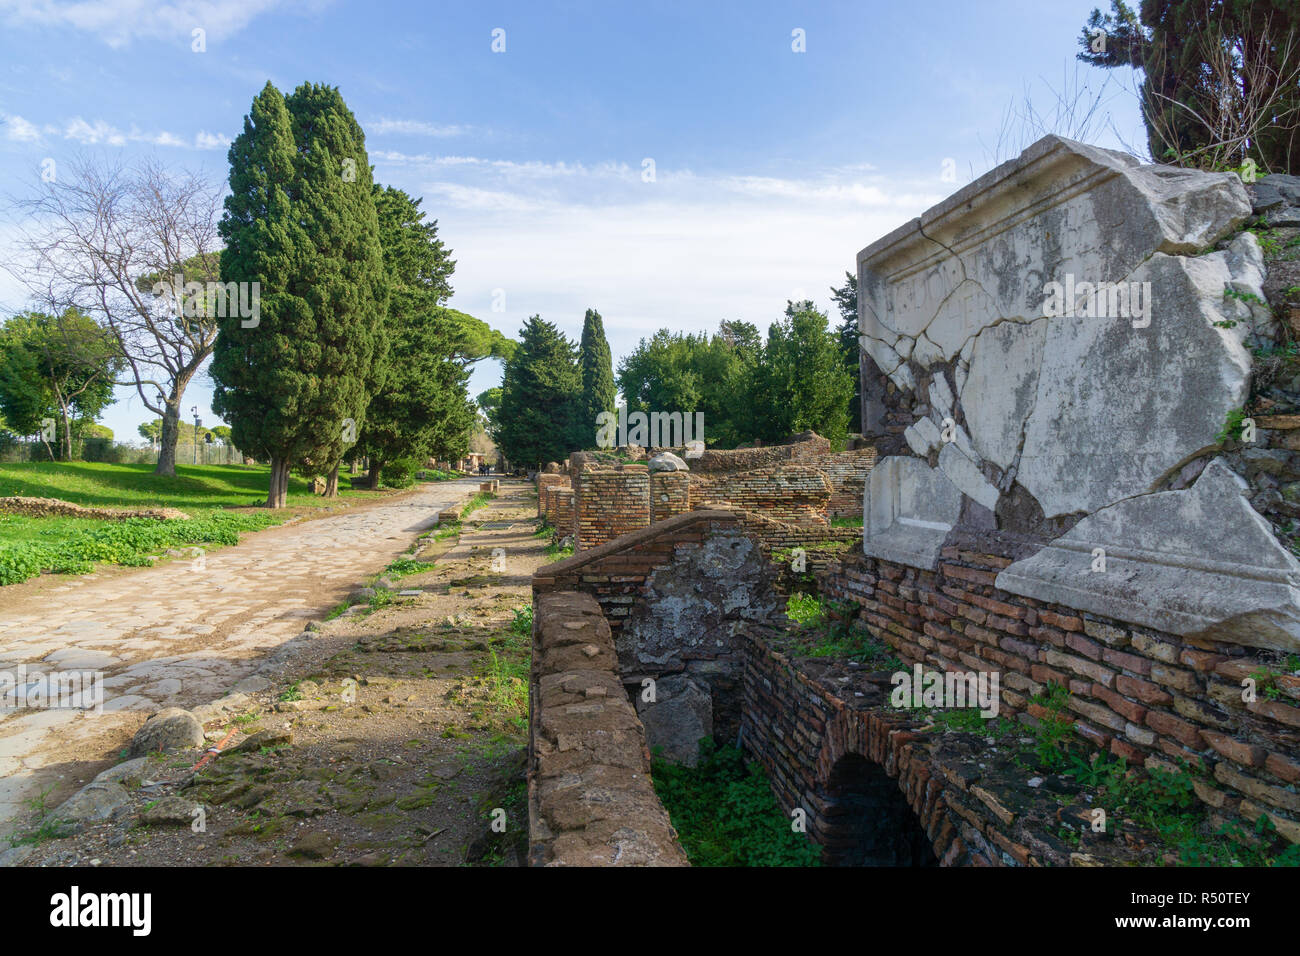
(885, 745)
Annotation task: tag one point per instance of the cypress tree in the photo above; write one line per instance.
(301, 221)
(538, 390)
(423, 407)
(597, 366)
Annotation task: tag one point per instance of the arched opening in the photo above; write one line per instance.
(867, 821)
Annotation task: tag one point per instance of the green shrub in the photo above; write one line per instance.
(725, 814)
(399, 473)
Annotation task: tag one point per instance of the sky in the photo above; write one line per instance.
(670, 164)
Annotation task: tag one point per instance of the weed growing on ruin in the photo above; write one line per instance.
(847, 521)
(523, 620)
(405, 567)
(725, 814)
(557, 552)
(478, 501)
(1054, 732)
(806, 610)
(1232, 427)
(544, 530)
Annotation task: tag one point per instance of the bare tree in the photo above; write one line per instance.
(100, 236)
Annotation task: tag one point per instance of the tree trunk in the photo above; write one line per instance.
(167, 441)
(332, 482)
(279, 490)
(375, 467)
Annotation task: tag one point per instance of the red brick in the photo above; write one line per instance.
(1084, 646)
(1066, 622)
(1121, 705)
(1129, 662)
(969, 574)
(1238, 751)
(1283, 767)
(1144, 691)
(1171, 726)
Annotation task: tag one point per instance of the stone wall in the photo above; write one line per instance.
(1152, 697)
(730, 461)
(675, 595)
(54, 508)
(590, 798)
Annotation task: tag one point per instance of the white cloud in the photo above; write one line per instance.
(100, 132)
(118, 22)
(683, 252)
(411, 128)
(19, 130)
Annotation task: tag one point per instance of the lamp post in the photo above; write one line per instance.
(195, 410)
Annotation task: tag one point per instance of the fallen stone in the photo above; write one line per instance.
(1165, 571)
(313, 845)
(680, 716)
(170, 811)
(263, 738)
(93, 803)
(666, 461)
(167, 731)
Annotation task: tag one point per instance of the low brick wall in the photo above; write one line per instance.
(590, 797)
(1148, 696)
(731, 461)
(670, 494)
(54, 508)
(609, 502)
(545, 481)
(615, 573)
(795, 494)
(847, 472)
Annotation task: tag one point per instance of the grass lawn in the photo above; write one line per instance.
(221, 500)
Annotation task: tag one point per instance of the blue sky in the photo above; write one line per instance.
(772, 168)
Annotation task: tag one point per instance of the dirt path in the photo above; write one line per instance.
(393, 735)
(182, 632)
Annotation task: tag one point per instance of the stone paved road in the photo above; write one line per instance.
(182, 633)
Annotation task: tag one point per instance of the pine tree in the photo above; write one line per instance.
(301, 221)
(538, 393)
(597, 367)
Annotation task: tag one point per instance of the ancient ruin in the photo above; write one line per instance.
(1060, 483)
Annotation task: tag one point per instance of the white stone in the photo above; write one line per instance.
(965, 474)
(1198, 562)
(908, 510)
(1001, 387)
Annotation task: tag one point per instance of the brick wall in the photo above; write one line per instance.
(545, 481)
(562, 510)
(795, 494)
(1148, 696)
(609, 502)
(730, 461)
(590, 798)
(615, 572)
(847, 472)
(670, 494)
